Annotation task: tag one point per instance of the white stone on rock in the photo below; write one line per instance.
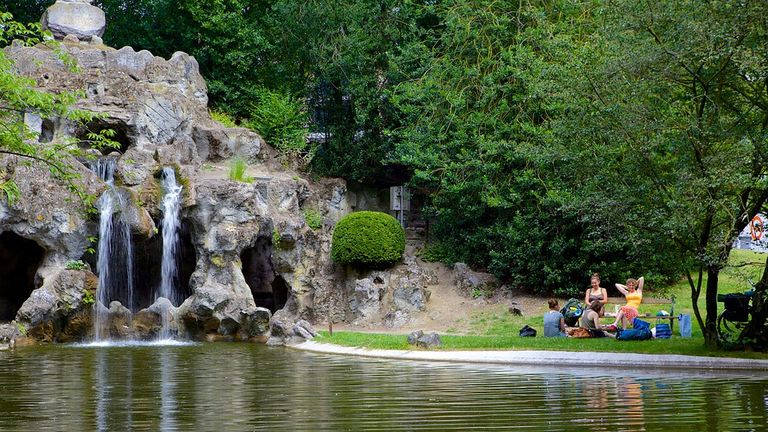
(78, 18)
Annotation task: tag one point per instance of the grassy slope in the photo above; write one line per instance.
(498, 329)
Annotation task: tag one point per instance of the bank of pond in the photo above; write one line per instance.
(451, 342)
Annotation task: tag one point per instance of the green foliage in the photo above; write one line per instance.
(276, 237)
(92, 240)
(477, 120)
(237, 169)
(368, 239)
(667, 131)
(21, 328)
(313, 219)
(10, 189)
(88, 298)
(223, 118)
(76, 265)
(437, 252)
(281, 120)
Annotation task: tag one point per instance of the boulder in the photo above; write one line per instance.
(410, 296)
(148, 322)
(74, 17)
(468, 281)
(396, 319)
(255, 323)
(62, 298)
(119, 321)
(365, 303)
(422, 340)
(304, 329)
(215, 143)
(286, 332)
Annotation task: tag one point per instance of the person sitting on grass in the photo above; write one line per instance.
(590, 320)
(633, 291)
(554, 322)
(595, 291)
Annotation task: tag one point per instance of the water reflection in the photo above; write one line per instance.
(242, 387)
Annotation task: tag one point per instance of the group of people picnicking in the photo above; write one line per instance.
(595, 298)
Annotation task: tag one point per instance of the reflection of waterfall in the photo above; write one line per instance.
(169, 282)
(102, 396)
(114, 266)
(168, 403)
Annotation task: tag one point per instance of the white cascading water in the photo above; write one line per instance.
(115, 255)
(169, 279)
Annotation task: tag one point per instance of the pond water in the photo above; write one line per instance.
(246, 387)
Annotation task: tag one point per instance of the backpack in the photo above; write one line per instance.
(572, 312)
(528, 331)
(634, 334)
(663, 331)
(637, 323)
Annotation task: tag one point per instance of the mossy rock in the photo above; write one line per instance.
(366, 238)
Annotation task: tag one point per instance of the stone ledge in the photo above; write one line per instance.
(552, 358)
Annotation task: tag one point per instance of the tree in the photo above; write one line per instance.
(478, 112)
(344, 54)
(672, 117)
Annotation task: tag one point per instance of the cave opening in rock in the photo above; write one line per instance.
(19, 260)
(269, 289)
(147, 260)
(123, 134)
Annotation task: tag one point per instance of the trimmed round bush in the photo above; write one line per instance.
(368, 238)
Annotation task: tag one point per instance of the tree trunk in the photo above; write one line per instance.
(756, 332)
(710, 327)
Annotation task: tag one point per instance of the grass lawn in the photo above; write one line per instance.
(497, 329)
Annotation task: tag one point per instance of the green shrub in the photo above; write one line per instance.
(436, 252)
(76, 265)
(281, 119)
(223, 118)
(368, 239)
(313, 219)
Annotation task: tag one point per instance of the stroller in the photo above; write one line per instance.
(572, 311)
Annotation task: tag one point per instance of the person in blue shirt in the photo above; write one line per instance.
(554, 323)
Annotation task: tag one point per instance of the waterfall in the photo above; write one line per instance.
(115, 254)
(169, 274)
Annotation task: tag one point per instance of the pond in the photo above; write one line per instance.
(246, 387)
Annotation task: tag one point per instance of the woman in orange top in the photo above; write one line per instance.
(633, 291)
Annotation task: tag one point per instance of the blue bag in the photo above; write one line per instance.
(637, 323)
(663, 331)
(685, 325)
(634, 334)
